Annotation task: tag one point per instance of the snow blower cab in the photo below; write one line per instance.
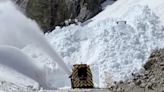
(81, 76)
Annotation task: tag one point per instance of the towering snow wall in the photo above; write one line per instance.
(117, 50)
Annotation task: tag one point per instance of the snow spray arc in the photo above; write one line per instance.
(18, 31)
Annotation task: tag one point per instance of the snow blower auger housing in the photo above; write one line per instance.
(81, 76)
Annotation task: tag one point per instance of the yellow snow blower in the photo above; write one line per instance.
(81, 76)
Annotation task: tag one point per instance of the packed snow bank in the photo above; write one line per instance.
(116, 49)
(12, 76)
(117, 9)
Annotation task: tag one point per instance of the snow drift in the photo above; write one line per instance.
(117, 9)
(117, 50)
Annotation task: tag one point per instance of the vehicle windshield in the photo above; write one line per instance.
(82, 73)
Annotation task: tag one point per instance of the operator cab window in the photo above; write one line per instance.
(82, 73)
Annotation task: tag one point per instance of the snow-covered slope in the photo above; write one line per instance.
(107, 3)
(117, 50)
(121, 6)
(109, 48)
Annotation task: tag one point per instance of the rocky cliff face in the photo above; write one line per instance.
(22, 4)
(152, 80)
(50, 13)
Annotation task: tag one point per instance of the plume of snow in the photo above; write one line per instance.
(18, 31)
(14, 58)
